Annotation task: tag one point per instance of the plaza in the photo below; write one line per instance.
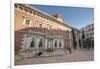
(41, 38)
(76, 56)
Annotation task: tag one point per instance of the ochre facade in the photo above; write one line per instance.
(36, 19)
(34, 25)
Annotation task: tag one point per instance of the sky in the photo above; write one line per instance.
(77, 17)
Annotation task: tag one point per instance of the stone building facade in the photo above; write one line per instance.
(38, 30)
(89, 31)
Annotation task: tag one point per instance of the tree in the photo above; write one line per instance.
(74, 39)
(79, 42)
(92, 43)
(83, 37)
(87, 43)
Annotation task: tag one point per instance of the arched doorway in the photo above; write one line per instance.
(60, 44)
(41, 43)
(32, 44)
(55, 44)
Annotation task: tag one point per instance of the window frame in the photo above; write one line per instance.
(24, 22)
(40, 42)
(40, 25)
(33, 40)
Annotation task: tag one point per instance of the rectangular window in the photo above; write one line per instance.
(27, 21)
(40, 25)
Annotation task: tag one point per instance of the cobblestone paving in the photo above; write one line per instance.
(76, 56)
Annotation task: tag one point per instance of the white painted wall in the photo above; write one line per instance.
(27, 40)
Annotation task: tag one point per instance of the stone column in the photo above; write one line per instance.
(27, 42)
(62, 43)
(45, 43)
(36, 44)
(54, 43)
(58, 43)
(70, 39)
(24, 42)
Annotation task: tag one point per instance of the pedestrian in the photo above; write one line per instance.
(40, 53)
(69, 49)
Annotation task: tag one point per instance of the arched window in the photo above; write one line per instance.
(40, 43)
(32, 43)
(60, 44)
(55, 43)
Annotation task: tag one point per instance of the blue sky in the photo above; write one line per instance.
(77, 17)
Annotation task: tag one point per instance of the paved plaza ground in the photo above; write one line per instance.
(75, 56)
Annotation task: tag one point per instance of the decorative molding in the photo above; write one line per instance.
(41, 14)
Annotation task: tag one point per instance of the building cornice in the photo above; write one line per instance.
(41, 13)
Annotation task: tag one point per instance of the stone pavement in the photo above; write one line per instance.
(76, 56)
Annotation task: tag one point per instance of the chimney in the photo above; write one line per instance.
(58, 17)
